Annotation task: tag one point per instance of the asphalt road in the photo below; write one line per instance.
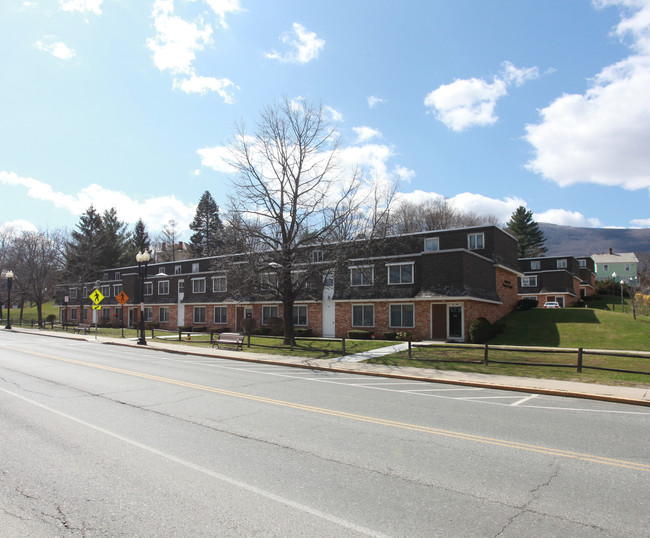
(101, 440)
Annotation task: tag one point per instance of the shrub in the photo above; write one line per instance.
(390, 335)
(199, 329)
(404, 336)
(360, 335)
(276, 326)
(219, 330)
(480, 331)
(50, 318)
(527, 304)
(262, 331)
(150, 325)
(304, 333)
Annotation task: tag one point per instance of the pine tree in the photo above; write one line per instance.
(207, 227)
(83, 252)
(530, 238)
(139, 240)
(115, 241)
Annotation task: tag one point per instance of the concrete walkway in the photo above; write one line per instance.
(352, 364)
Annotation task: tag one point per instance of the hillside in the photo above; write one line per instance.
(569, 240)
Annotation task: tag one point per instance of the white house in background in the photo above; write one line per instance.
(621, 264)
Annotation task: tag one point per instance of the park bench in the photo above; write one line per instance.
(85, 327)
(228, 338)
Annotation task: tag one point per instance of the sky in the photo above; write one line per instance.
(491, 105)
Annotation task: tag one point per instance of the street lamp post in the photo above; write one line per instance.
(613, 296)
(143, 260)
(622, 282)
(10, 278)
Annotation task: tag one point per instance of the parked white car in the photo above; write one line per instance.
(552, 304)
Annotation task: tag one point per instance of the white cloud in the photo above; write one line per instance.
(374, 101)
(57, 49)
(18, 225)
(202, 85)
(470, 102)
(82, 6)
(222, 7)
(641, 223)
(155, 211)
(602, 136)
(366, 133)
(567, 218)
(334, 114)
(304, 46)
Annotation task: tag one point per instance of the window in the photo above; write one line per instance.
(561, 264)
(147, 314)
(84, 314)
(582, 263)
(627, 267)
(163, 287)
(163, 314)
(148, 288)
(431, 244)
(178, 270)
(363, 315)
(606, 268)
(181, 286)
(118, 275)
(84, 292)
(269, 281)
(106, 313)
(198, 285)
(73, 293)
(535, 265)
(402, 315)
(105, 290)
(118, 312)
(529, 281)
(195, 267)
(117, 289)
(300, 315)
(269, 312)
(219, 283)
(476, 241)
(362, 275)
(105, 276)
(199, 314)
(400, 273)
(162, 271)
(317, 256)
(221, 314)
(73, 314)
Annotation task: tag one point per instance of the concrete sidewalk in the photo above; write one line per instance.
(352, 364)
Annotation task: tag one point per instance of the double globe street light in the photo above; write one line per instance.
(9, 275)
(143, 259)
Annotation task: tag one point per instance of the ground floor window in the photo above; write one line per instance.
(300, 315)
(221, 314)
(106, 313)
(363, 315)
(147, 314)
(73, 314)
(402, 315)
(163, 314)
(199, 314)
(269, 312)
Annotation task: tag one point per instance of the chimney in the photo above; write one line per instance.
(180, 245)
(610, 250)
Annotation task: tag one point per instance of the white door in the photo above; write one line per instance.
(329, 316)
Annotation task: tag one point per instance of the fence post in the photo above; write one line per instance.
(410, 354)
(579, 360)
(485, 355)
(180, 334)
(343, 346)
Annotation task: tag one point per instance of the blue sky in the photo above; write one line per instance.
(128, 104)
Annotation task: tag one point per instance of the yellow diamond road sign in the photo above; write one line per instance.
(96, 296)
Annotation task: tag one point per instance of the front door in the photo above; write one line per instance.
(456, 322)
(329, 309)
(438, 322)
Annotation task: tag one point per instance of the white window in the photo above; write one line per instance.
(195, 267)
(561, 264)
(529, 281)
(317, 256)
(163, 287)
(162, 271)
(535, 265)
(476, 241)
(117, 289)
(178, 269)
(199, 314)
(73, 314)
(219, 283)
(431, 244)
(400, 273)
(84, 292)
(300, 315)
(105, 276)
(198, 285)
(73, 293)
(181, 286)
(163, 314)
(148, 288)
(362, 275)
(147, 314)
(118, 275)
(402, 315)
(363, 315)
(269, 312)
(582, 263)
(221, 314)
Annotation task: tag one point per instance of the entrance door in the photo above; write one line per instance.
(329, 316)
(438, 322)
(456, 322)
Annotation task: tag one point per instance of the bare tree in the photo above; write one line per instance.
(38, 260)
(291, 195)
(169, 238)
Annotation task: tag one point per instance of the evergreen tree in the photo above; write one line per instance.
(115, 240)
(139, 240)
(530, 238)
(83, 252)
(207, 227)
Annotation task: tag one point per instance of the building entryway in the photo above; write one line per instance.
(329, 308)
(447, 322)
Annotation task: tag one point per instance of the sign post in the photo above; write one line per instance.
(122, 298)
(96, 297)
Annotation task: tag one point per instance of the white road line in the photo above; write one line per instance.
(513, 404)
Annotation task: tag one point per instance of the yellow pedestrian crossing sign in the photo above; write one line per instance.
(97, 307)
(96, 296)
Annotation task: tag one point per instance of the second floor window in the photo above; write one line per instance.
(431, 244)
(178, 269)
(148, 288)
(362, 275)
(219, 283)
(317, 256)
(401, 273)
(195, 267)
(529, 281)
(117, 289)
(535, 265)
(198, 285)
(476, 241)
(561, 264)
(163, 287)
(73, 293)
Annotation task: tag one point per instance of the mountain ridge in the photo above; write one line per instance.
(575, 241)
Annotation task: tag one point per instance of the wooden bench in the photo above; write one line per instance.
(85, 327)
(235, 339)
